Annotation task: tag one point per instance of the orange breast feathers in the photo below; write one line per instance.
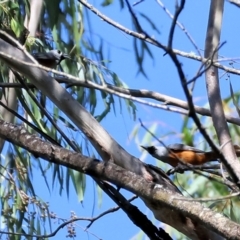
(195, 156)
(190, 157)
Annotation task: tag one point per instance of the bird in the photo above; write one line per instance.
(50, 59)
(178, 153)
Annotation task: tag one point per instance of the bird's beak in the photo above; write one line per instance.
(66, 56)
(144, 148)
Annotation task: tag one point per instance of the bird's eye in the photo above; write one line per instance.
(58, 51)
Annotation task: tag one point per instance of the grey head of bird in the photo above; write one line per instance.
(51, 59)
(159, 152)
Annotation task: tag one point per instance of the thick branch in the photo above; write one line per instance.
(157, 196)
(213, 90)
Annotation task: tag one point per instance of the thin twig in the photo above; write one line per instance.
(181, 27)
(208, 199)
(153, 41)
(143, 93)
(111, 210)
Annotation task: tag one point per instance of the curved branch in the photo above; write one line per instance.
(156, 196)
(213, 89)
(139, 93)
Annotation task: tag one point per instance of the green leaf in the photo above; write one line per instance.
(106, 3)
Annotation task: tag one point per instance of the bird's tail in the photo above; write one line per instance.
(213, 156)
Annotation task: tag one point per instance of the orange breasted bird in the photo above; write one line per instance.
(176, 153)
(50, 59)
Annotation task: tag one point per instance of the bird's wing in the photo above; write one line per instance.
(183, 147)
(40, 56)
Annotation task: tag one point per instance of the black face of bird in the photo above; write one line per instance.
(150, 149)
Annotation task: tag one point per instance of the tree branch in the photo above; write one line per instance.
(230, 159)
(156, 196)
(138, 93)
(117, 161)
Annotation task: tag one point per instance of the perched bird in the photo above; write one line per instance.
(176, 153)
(50, 59)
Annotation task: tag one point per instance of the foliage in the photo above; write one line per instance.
(67, 25)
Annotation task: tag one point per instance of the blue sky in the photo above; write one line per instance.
(163, 78)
